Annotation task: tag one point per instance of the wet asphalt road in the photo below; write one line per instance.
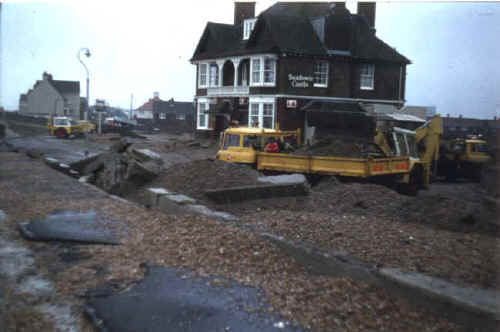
(65, 150)
(171, 300)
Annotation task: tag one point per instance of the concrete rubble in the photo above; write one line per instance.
(122, 168)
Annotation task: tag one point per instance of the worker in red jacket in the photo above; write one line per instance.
(272, 146)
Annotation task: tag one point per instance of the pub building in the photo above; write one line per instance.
(297, 65)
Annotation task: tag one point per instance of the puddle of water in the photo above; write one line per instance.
(16, 260)
(61, 315)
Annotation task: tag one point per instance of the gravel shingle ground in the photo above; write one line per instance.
(29, 190)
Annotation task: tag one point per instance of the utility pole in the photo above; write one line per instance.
(131, 106)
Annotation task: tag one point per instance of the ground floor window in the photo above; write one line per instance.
(202, 118)
(261, 113)
(180, 117)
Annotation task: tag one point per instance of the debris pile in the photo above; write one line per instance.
(194, 178)
(342, 145)
(123, 168)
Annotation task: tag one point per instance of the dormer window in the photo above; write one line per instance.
(248, 27)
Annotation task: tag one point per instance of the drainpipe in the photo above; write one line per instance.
(400, 81)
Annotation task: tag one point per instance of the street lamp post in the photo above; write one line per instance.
(87, 53)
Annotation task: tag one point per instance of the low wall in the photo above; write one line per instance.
(476, 309)
(242, 193)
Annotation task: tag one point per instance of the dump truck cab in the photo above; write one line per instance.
(241, 144)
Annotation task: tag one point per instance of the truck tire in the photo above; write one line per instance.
(61, 133)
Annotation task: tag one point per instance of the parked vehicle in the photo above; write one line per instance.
(463, 157)
(64, 127)
(406, 157)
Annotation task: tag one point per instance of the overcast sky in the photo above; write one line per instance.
(141, 47)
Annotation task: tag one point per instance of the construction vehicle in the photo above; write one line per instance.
(64, 127)
(463, 157)
(405, 157)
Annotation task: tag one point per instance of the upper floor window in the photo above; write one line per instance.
(321, 74)
(248, 27)
(367, 73)
(202, 71)
(214, 75)
(263, 71)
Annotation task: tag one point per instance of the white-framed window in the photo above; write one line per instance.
(367, 74)
(202, 75)
(163, 116)
(263, 71)
(321, 74)
(202, 116)
(261, 113)
(213, 75)
(180, 116)
(248, 26)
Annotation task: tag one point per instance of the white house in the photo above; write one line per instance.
(61, 98)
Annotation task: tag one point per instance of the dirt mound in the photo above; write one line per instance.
(195, 177)
(344, 145)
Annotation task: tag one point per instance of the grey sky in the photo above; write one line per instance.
(142, 47)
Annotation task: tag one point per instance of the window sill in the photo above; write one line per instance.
(203, 128)
(263, 85)
(316, 85)
(365, 88)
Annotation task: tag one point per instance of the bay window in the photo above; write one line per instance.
(321, 74)
(367, 73)
(261, 113)
(263, 70)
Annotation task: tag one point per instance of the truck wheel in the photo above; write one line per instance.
(61, 133)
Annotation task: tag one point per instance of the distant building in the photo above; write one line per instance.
(460, 127)
(145, 112)
(49, 96)
(173, 116)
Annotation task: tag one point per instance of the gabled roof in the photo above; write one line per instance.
(173, 107)
(304, 9)
(65, 87)
(286, 27)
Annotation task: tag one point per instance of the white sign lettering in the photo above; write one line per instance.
(299, 81)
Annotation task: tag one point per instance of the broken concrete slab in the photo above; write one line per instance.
(86, 227)
(121, 145)
(144, 155)
(153, 196)
(203, 210)
(283, 179)
(170, 300)
(181, 199)
(142, 171)
(170, 206)
(243, 193)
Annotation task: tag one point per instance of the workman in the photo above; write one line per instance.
(272, 146)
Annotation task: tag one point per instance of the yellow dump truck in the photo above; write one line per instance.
(404, 156)
(64, 127)
(463, 157)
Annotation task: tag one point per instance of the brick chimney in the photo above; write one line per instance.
(46, 76)
(367, 10)
(242, 11)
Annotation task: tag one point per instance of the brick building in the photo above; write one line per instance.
(296, 65)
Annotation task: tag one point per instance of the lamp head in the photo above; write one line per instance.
(87, 53)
